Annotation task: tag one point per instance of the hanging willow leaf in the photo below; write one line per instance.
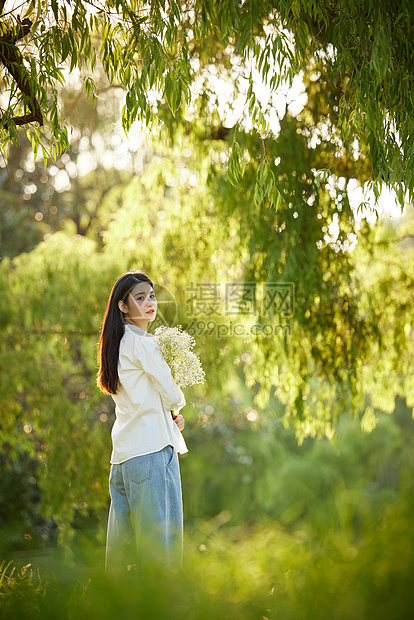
(363, 54)
(236, 166)
(265, 188)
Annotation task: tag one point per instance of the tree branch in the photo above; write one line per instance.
(12, 59)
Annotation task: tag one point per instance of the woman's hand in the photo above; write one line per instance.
(180, 422)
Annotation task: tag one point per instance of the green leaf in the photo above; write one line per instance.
(265, 187)
(236, 165)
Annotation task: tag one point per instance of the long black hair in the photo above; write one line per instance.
(113, 330)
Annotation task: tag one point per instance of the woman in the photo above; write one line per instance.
(146, 515)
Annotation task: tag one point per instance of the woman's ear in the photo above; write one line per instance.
(122, 307)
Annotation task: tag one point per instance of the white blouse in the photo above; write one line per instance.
(145, 399)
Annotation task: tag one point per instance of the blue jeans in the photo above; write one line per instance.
(145, 523)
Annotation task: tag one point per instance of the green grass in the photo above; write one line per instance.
(353, 572)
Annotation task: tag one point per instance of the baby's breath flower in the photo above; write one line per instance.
(176, 347)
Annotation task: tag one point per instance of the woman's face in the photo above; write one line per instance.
(141, 306)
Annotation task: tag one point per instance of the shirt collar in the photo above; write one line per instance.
(137, 330)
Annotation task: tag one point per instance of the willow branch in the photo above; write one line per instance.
(12, 59)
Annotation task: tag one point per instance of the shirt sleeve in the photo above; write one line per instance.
(148, 357)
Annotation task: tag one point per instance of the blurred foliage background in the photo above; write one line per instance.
(298, 482)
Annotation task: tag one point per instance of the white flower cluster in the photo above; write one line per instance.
(176, 347)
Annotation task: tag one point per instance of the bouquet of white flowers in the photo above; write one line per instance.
(176, 347)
